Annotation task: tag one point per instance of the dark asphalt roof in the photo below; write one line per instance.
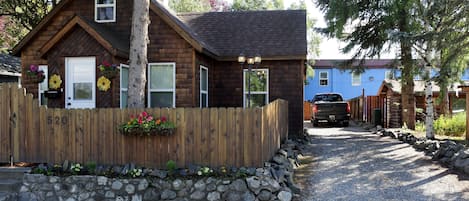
(9, 64)
(268, 33)
(369, 63)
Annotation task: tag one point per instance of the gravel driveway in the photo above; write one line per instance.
(353, 164)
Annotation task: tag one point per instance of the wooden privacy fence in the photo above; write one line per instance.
(363, 108)
(208, 136)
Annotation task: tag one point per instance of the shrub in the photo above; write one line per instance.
(451, 126)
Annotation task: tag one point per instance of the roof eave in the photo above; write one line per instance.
(267, 58)
(16, 51)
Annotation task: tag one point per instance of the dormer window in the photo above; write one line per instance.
(105, 11)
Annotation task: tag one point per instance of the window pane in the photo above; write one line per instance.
(106, 13)
(258, 81)
(43, 99)
(105, 1)
(125, 78)
(82, 91)
(323, 75)
(203, 78)
(161, 99)
(124, 99)
(323, 82)
(204, 100)
(161, 77)
(257, 100)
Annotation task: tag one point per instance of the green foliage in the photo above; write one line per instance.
(90, 166)
(18, 17)
(184, 6)
(420, 126)
(171, 166)
(451, 126)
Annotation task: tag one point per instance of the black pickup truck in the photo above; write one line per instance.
(330, 107)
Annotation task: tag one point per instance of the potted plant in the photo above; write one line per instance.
(108, 70)
(34, 74)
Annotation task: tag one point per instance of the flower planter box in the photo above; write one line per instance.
(110, 74)
(36, 79)
(152, 132)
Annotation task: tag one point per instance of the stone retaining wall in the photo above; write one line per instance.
(272, 182)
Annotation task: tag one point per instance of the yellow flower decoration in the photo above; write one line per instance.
(55, 81)
(103, 83)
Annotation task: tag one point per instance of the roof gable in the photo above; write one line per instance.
(108, 39)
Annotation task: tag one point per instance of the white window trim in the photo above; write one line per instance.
(245, 92)
(121, 88)
(388, 72)
(327, 78)
(200, 86)
(46, 74)
(162, 90)
(96, 6)
(359, 79)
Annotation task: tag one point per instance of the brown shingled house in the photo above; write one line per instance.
(192, 57)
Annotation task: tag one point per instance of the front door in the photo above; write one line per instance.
(80, 83)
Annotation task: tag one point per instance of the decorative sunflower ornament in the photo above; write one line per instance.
(55, 81)
(103, 83)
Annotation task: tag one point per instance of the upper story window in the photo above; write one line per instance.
(388, 75)
(105, 11)
(162, 85)
(323, 78)
(356, 79)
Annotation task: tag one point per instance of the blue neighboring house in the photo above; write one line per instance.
(330, 77)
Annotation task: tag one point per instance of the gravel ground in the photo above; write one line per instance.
(353, 164)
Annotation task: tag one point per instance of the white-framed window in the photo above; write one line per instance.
(388, 75)
(203, 86)
(124, 85)
(43, 86)
(356, 79)
(105, 11)
(162, 85)
(259, 87)
(323, 78)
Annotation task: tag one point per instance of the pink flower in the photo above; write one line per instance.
(144, 114)
(140, 120)
(106, 64)
(149, 118)
(33, 68)
(163, 119)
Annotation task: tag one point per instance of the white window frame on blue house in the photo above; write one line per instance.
(356, 79)
(171, 89)
(104, 4)
(388, 75)
(123, 104)
(323, 79)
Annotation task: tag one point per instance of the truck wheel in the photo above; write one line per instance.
(315, 123)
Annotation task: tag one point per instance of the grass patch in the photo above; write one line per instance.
(445, 127)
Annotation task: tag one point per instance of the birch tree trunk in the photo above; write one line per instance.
(429, 109)
(138, 54)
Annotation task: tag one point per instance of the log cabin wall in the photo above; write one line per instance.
(285, 78)
(166, 45)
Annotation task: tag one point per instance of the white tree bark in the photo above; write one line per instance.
(138, 54)
(429, 109)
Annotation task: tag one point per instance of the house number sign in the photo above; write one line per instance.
(57, 120)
